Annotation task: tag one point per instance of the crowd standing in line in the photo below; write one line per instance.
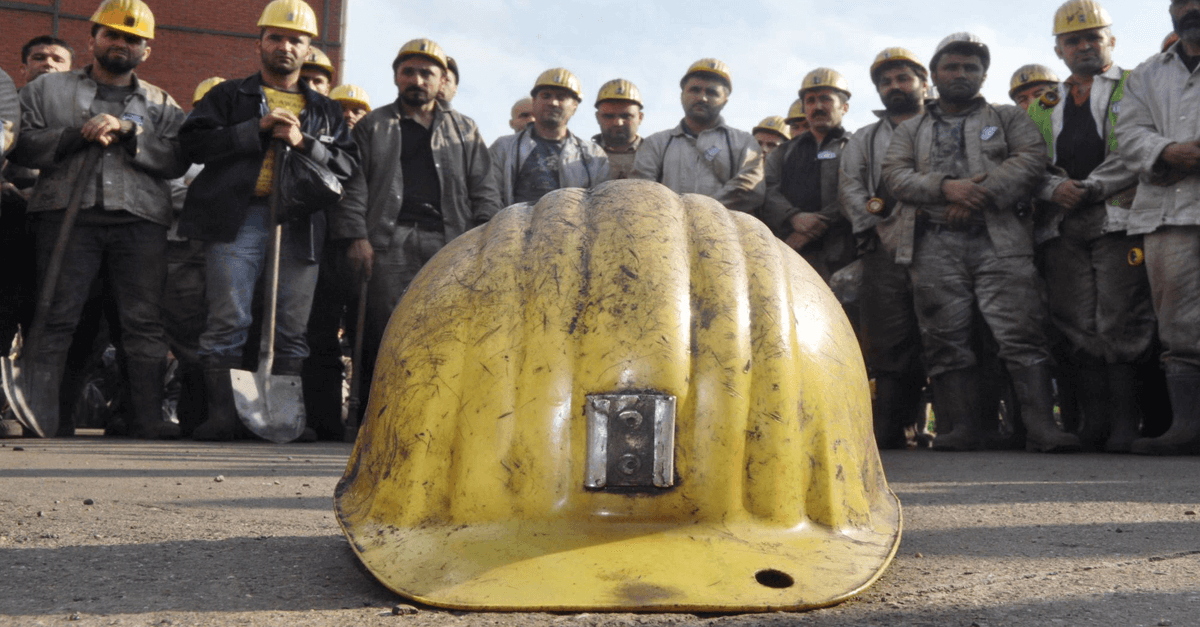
(1042, 252)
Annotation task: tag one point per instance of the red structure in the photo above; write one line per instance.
(193, 39)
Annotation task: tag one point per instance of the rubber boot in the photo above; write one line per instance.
(889, 431)
(1034, 395)
(223, 423)
(955, 394)
(1124, 414)
(1183, 438)
(1092, 394)
(146, 401)
(192, 409)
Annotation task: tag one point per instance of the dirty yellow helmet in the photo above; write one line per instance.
(619, 89)
(1077, 15)
(352, 94)
(796, 112)
(558, 77)
(962, 43)
(127, 16)
(290, 14)
(715, 68)
(824, 77)
(318, 59)
(577, 407)
(427, 48)
(1031, 74)
(773, 124)
(894, 55)
(204, 86)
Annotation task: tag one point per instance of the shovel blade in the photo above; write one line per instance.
(271, 406)
(33, 398)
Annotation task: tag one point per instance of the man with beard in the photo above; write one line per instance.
(122, 226)
(425, 179)
(619, 114)
(546, 156)
(891, 337)
(958, 172)
(1157, 136)
(703, 155)
(232, 131)
(1030, 82)
(802, 206)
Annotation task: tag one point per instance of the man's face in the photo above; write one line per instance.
(554, 106)
(1185, 15)
(825, 108)
(768, 141)
(317, 80)
(352, 112)
(703, 99)
(1030, 93)
(449, 87)
(798, 126)
(44, 59)
(1086, 52)
(522, 115)
(118, 52)
(900, 89)
(959, 77)
(618, 121)
(419, 79)
(282, 51)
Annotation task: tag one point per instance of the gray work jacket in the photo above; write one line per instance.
(135, 172)
(1001, 142)
(862, 172)
(10, 114)
(722, 163)
(581, 164)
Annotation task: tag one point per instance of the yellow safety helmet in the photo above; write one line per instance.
(577, 408)
(712, 67)
(773, 124)
(427, 48)
(290, 14)
(317, 58)
(894, 55)
(824, 77)
(963, 42)
(619, 89)
(204, 86)
(558, 77)
(127, 16)
(1031, 74)
(352, 94)
(1077, 15)
(796, 112)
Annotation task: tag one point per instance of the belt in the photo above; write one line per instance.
(939, 227)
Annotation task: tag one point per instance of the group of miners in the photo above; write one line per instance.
(1003, 255)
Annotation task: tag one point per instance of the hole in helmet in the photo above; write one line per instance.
(772, 578)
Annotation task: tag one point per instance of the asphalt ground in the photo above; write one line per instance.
(99, 531)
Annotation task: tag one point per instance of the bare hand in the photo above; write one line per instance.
(282, 124)
(958, 216)
(291, 135)
(103, 129)
(1069, 194)
(361, 257)
(797, 240)
(812, 225)
(968, 192)
(1185, 157)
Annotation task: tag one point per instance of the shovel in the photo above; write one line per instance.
(270, 405)
(350, 433)
(31, 391)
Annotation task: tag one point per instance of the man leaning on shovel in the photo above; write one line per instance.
(236, 131)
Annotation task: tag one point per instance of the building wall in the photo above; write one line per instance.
(194, 39)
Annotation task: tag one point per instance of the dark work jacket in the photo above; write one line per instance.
(222, 132)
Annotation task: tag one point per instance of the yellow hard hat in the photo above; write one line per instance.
(796, 112)
(1031, 74)
(966, 42)
(317, 58)
(427, 48)
(558, 77)
(1077, 15)
(290, 14)
(127, 16)
(352, 94)
(619, 89)
(204, 86)
(824, 77)
(893, 55)
(773, 124)
(713, 67)
(632, 422)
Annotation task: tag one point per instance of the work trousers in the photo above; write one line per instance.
(1173, 266)
(890, 332)
(335, 302)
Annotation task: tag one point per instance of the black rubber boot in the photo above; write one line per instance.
(1043, 435)
(954, 395)
(889, 430)
(1124, 413)
(1092, 394)
(146, 399)
(223, 423)
(1183, 438)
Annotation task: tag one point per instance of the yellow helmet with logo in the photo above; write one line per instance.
(290, 14)
(558, 77)
(127, 16)
(796, 112)
(621, 90)
(963, 42)
(352, 94)
(773, 124)
(422, 48)
(318, 59)
(1077, 15)
(894, 55)
(577, 408)
(1031, 74)
(824, 77)
(712, 67)
(204, 86)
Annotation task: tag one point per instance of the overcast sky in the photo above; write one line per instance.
(502, 46)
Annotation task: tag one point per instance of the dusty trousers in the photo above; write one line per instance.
(1172, 259)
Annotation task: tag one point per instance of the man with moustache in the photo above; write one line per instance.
(546, 155)
(619, 114)
(802, 205)
(703, 154)
(891, 337)
(122, 224)
(958, 172)
(232, 131)
(1158, 139)
(425, 179)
